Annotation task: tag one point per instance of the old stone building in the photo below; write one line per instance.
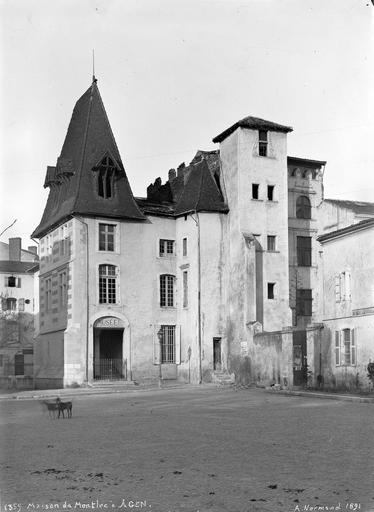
(212, 276)
(19, 312)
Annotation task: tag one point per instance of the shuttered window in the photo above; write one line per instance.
(345, 348)
(304, 251)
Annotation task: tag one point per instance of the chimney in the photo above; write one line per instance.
(172, 174)
(33, 249)
(180, 169)
(15, 249)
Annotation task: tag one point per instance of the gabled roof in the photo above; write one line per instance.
(19, 267)
(254, 123)
(72, 181)
(359, 207)
(306, 162)
(353, 228)
(200, 192)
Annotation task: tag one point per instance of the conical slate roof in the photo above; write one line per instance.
(73, 182)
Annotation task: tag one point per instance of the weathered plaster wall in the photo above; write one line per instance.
(354, 309)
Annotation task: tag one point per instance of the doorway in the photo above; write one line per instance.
(108, 356)
(300, 362)
(217, 358)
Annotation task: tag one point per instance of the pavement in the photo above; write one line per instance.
(188, 449)
(130, 387)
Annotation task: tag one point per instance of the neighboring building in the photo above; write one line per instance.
(19, 312)
(336, 214)
(346, 346)
(305, 195)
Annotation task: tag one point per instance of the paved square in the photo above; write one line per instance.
(190, 449)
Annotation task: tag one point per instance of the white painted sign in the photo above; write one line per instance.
(109, 322)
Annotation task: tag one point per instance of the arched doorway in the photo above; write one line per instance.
(108, 358)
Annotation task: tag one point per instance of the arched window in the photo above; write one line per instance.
(107, 284)
(167, 290)
(303, 208)
(105, 178)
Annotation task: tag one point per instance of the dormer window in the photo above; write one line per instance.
(263, 143)
(105, 178)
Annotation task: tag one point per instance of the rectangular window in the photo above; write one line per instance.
(19, 364)
(166, 247)
(106, 237)
(184, 246)
(10, 304)
(62, 288)
(166, 291)
(185, 288)
(167, 343)
(271, 243)
(271, 290)
(337, 348)
(48, 294)
(304, 302)
(12, 282)
(107, 284)
(262, 142)
(345, 348)
(271, 192)
(304, 251)
(255, 190)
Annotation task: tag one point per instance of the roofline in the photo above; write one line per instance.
(272, 127)
(307, 160)
(191, 210)
(359, 226)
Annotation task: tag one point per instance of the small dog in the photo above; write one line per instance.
(64, 406)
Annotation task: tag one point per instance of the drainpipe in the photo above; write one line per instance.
(87, 294)
(197, 222)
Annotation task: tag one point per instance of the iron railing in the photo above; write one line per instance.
(110, 369)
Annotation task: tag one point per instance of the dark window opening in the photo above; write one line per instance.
(304, 251)
(304, 302)
(263, 143)
(255, 190)
(11, 281)
(303, 208)
(19, 364)
(184, 246)
(271, 192)
(271, 243)
(105, 178)
(271, 290)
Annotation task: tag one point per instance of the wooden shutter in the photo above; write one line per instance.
(178, 344)
(18, 282)
(337, 349)
(21, 304)
(353, 348)
(156, 345)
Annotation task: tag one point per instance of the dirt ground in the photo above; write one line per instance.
(189, 450)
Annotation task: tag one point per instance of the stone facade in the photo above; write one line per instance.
(215, 274)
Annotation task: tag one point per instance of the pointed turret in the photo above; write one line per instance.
(89, 177)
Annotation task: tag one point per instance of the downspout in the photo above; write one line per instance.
(87, 295)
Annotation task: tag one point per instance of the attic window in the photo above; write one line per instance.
(262, 142)
(105, 178)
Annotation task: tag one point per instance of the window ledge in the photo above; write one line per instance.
(257, 200)
(274, 252)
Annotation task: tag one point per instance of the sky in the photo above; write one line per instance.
(173, 75)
